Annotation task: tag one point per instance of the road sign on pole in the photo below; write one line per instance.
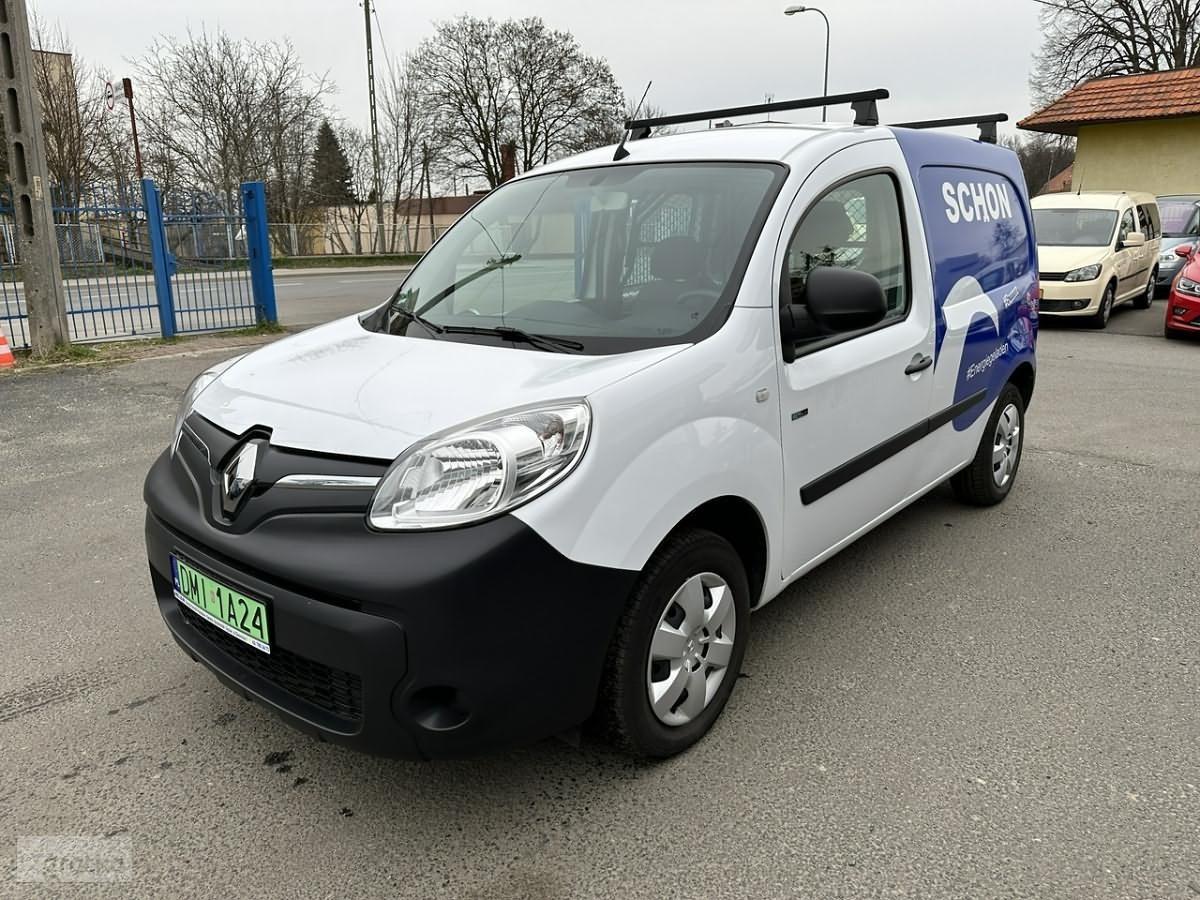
(110, 96)
(41, 270)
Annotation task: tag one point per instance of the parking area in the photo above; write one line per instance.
(965, 703)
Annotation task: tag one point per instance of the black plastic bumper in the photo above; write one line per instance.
(422, 645)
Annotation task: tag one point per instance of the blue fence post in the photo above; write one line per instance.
(258, 248)
(160, 257)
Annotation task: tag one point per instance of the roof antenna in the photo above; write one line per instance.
(621, 151)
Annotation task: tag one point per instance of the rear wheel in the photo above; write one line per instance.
(678, 649)
(1100, 319)
(1145, 299)
(990, 476)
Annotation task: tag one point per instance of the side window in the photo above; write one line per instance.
(1127, 226)
(1150, 221)
(854, 226)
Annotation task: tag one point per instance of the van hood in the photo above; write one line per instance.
(1064, 259)
(340, 389)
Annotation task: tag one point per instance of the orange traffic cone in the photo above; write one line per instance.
(6, 354)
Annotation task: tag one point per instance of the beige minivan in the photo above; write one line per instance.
(1096, 249)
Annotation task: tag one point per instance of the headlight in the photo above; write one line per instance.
(481, 469)
(1169, 256)
(1187, 286)
(1087, 273)
(195, 389)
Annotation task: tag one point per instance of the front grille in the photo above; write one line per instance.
(333, 690)
(1052, 276)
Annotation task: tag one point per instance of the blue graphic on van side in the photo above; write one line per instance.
(977, 226)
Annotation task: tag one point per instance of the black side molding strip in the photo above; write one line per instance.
(864, 462)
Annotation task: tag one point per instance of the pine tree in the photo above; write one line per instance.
(331, 183)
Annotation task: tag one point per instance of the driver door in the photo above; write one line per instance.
(852, 404)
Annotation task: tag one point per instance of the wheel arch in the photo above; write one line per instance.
(739, 522)
(1023, 378)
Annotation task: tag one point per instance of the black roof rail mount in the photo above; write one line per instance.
(987, 124)
(863, 102)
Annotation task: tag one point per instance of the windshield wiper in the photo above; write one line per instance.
(518, 336)
(409, 315)
(445, 292)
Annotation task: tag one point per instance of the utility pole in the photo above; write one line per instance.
(127, 89)
(41, 270)
(366, 4)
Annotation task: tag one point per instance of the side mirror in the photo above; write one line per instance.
(836, 301)
(1134, 239)
(841, 300)
(1184, 250)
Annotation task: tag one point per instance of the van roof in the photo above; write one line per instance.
(757, 142)
(1091, 199)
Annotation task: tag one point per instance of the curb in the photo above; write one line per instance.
(340, 270)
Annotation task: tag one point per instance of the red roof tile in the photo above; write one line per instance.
(1126, 98)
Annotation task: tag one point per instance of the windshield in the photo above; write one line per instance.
(1180, 216)
(1074, 227)
(613, 259)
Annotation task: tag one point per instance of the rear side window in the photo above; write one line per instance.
(1151, 225)
(977, 226)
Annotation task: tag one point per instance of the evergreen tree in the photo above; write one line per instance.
(332, 182)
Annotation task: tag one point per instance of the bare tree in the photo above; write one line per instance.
(1085, 39)
(405, 133)
(564, 99)
(219, 111)
(488, 84)
(1042, 157)
(72, 96)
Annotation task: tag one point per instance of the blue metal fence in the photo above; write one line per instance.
(145, 265)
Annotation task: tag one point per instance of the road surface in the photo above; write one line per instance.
(965, 704)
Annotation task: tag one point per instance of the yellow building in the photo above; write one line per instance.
(1135, 132)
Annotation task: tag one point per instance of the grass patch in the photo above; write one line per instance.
(342, 262)
(141, 348)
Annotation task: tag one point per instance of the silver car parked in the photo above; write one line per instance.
(1180, 225)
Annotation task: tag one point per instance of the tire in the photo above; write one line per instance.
(624, 715)
(979, 484)
(1171, 334)
(1100, 319)
(1145, 299)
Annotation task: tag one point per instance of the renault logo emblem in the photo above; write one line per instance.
(238, 477)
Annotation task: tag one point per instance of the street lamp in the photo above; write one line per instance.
(791, 11)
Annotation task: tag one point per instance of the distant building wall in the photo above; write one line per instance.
(1162, 157)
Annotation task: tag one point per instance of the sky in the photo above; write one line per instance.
(939, 58)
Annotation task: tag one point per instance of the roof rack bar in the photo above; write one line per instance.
(860, 98)
(987, 124)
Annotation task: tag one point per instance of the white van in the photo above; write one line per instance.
(628, 399)
(1097, 249)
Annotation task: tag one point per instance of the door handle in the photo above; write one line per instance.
(919, 364)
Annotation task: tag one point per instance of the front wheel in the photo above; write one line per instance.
(1100, 319)
(678, 649)
(1145, 299)
(991, 474)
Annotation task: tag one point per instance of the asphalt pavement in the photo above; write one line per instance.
(310, 296)
(965, 704)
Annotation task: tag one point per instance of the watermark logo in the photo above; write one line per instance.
(74, 858)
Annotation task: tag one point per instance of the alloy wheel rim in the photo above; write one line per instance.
(1107, 306)
(1006, 446)
(691, 649)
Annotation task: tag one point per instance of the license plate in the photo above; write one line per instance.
(232, 611)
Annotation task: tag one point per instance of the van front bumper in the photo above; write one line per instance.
(415, 645)
(1071, 298)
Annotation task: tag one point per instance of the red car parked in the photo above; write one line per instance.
(1183, 304)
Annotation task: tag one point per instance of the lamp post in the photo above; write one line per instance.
(793, 10)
